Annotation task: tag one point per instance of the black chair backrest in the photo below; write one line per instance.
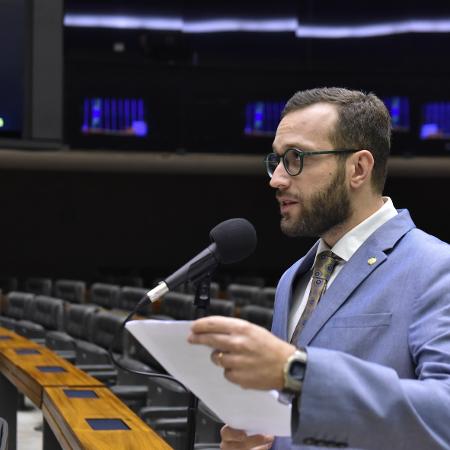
(105, 295)
(258, 315)
(73, 291)
(267, 297)
(221, 307)
(77, 321)
(177, 305)
(19, 305)
(130, 296)
(243, 294)
(48, 312)
(105, 326)
(3, 434)
(39, 286)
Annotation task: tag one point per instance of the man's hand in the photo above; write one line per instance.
(250, 355)
(233, 439)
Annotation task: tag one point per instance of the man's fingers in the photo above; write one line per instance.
(232, 434)
(238, 439)
(223, 342)
(217, 324)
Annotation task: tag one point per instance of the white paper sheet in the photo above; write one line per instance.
(245, 409)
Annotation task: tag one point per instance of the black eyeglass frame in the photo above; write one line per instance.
(301, 154)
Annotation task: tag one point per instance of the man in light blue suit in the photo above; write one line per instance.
(361, 345)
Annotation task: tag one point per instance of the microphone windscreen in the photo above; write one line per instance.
(235, 240)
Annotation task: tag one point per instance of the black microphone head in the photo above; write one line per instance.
(235, 240)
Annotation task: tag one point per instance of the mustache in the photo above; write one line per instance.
(286, 196)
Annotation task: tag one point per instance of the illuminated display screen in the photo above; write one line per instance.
(115, 117)
(398, 108)
(262, 118)
(12, 45)
(435, 121)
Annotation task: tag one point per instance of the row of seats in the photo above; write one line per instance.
(36, 312)
(83, 332)
(110, 295)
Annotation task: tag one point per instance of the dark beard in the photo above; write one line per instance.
(325, 210)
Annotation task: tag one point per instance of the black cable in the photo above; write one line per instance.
(137, 372)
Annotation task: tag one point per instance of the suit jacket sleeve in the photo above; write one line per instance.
(366, 405)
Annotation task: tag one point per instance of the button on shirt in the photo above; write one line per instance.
(344, 248)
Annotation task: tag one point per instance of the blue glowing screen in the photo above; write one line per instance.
(262, 118)
(435, 121)
(398, 108)
(114, 116)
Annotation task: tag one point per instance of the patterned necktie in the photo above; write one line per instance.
(323, 268)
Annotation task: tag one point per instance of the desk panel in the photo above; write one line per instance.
(31, 372)
(67, 416)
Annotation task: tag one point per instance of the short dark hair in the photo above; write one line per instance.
(363, 123)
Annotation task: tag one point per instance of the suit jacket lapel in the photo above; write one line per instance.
(284, 296)
(350, 277)
(355, 271)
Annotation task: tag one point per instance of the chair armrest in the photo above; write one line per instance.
(157, 412)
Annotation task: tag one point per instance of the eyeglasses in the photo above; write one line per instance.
(293, 159)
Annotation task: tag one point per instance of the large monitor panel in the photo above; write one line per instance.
(12, 47)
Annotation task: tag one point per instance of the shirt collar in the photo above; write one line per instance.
(353, 239)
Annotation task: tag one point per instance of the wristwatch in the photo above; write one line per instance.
(293, 374)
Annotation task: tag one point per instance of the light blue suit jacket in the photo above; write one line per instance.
(378, 343)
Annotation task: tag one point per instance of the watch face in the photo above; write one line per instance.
(297, 370)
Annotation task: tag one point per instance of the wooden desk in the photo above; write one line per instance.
(44, 377)
(9, 339)
(27, 367)
(68, 416)
(31, 368)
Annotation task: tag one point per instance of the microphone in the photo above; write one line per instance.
(232, 241)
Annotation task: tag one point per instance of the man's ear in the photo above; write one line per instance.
(360, 166)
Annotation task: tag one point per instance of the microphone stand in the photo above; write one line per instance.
(201, 303)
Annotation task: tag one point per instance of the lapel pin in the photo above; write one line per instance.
(371, 261)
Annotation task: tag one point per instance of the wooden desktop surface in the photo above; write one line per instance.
(10, 339)
(23, 371)
(67, 418)
(20, 360)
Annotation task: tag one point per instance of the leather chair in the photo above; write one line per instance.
(219, 307)
(171, 423)
(175, 306)
(267, 297)
(243, 294)
(258, 315)
(93, 357)
(102, 329)
(73, 291)
(105, 295)
(76, 326)
(45, 314)
(130, 296)
(17, 306)
(39, 286)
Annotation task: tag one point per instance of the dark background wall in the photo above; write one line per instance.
(94, 224)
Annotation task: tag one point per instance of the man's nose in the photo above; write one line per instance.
(280, 178)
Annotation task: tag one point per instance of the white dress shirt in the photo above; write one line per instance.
(344, 248)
